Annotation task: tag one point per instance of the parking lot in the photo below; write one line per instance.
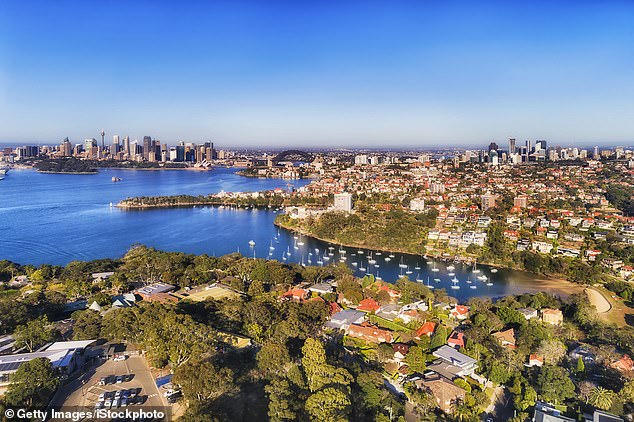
(110, 383)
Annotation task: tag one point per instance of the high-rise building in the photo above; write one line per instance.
(115, 146)
(488, 201)
(343, 202)
(103, 142)
(361, 159)
(595, 153)
(66, 148)
(493, 146)
(126, 145)
(511, 146)
(147, 144)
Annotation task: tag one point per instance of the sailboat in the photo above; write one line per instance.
(417, 267)
(420, 280)
(401, 265)
(475, 269)
(455, 286)
(388, 259)
(252, 243)
(288, 250)
(408, 270)
(271, 248)
(434, 269)
(295, 245)
(371, 260)
(494, 270)
(378, 277)
(450, 268)
(429, 286)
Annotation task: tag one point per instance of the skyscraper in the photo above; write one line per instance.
(126, 144)
(488, 201)
(103, 142)
(147, 142)
(511, 146)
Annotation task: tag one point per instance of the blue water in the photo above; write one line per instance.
(54, 218)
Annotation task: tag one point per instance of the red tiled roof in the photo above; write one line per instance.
(426, 329)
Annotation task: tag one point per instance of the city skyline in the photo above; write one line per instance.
(353, 75)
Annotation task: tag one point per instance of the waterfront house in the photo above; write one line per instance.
(460, 312)
(552, 316)
(529, 313)
(321, 288)
(546, 412)
(389, 312)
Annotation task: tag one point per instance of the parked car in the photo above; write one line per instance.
(119, 379)
(107, 404)
(99, 405)
(119, 358)
(117, 395)
(103, 380)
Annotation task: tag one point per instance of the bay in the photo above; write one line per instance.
(57, 218)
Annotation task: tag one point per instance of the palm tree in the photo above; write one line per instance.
(602, 398)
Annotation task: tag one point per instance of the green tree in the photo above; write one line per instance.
(554, 384)
(416, 359)
(439, 337)
(281, 400)
(581, 367)
(34, 334)
(329, 405)
(202, 380)
(87, 325)
(32, 385)
(318, 372)
(272, 358)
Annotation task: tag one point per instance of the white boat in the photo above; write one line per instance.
(436, 280)
(342, 251)
(473, 286)
(354, 264)
(475, 268)
(378, 277)
(494, 270)
(401, 265)
(272, 248)
(450, 268)
(451, 274)
(378, 254)
(489, 284)
(251, 243)
(391, 256)
(362, 269)
(300, 243)
(316, 250)
(320, 262)
(420, 280)
(288, 251)
(469, 281)
(376, 265)
(360, 252)
(326, 258)
(388, 259)
(408, 270)
(455, 280)
(417, 267)
(429, 286)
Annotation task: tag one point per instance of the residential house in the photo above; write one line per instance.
(584, 353)
(506, 338)
(445, 392)
(370, 333)
(427, 329)
(321, 288)
(545, 412)
(625, 364)
(400, 351)
(449, 355)
(296, 295)
(343, 319)
(389, 312)
(535, 360)
(529, 313)
(552, 316)
(456, 339)
(368, 305)
(460, 312)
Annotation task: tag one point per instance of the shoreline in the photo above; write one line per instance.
(66, 172)
(560, 285)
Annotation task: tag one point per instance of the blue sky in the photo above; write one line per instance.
(318, 73)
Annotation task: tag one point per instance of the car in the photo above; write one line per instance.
(119, 358)
(128, 377)
(99, 405)
(124, 402)
(117, 394)
(107, 404)
(103, 380)
(110, 379)
(119, 379)
(102, 396)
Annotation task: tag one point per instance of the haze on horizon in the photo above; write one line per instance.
(357, 74)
